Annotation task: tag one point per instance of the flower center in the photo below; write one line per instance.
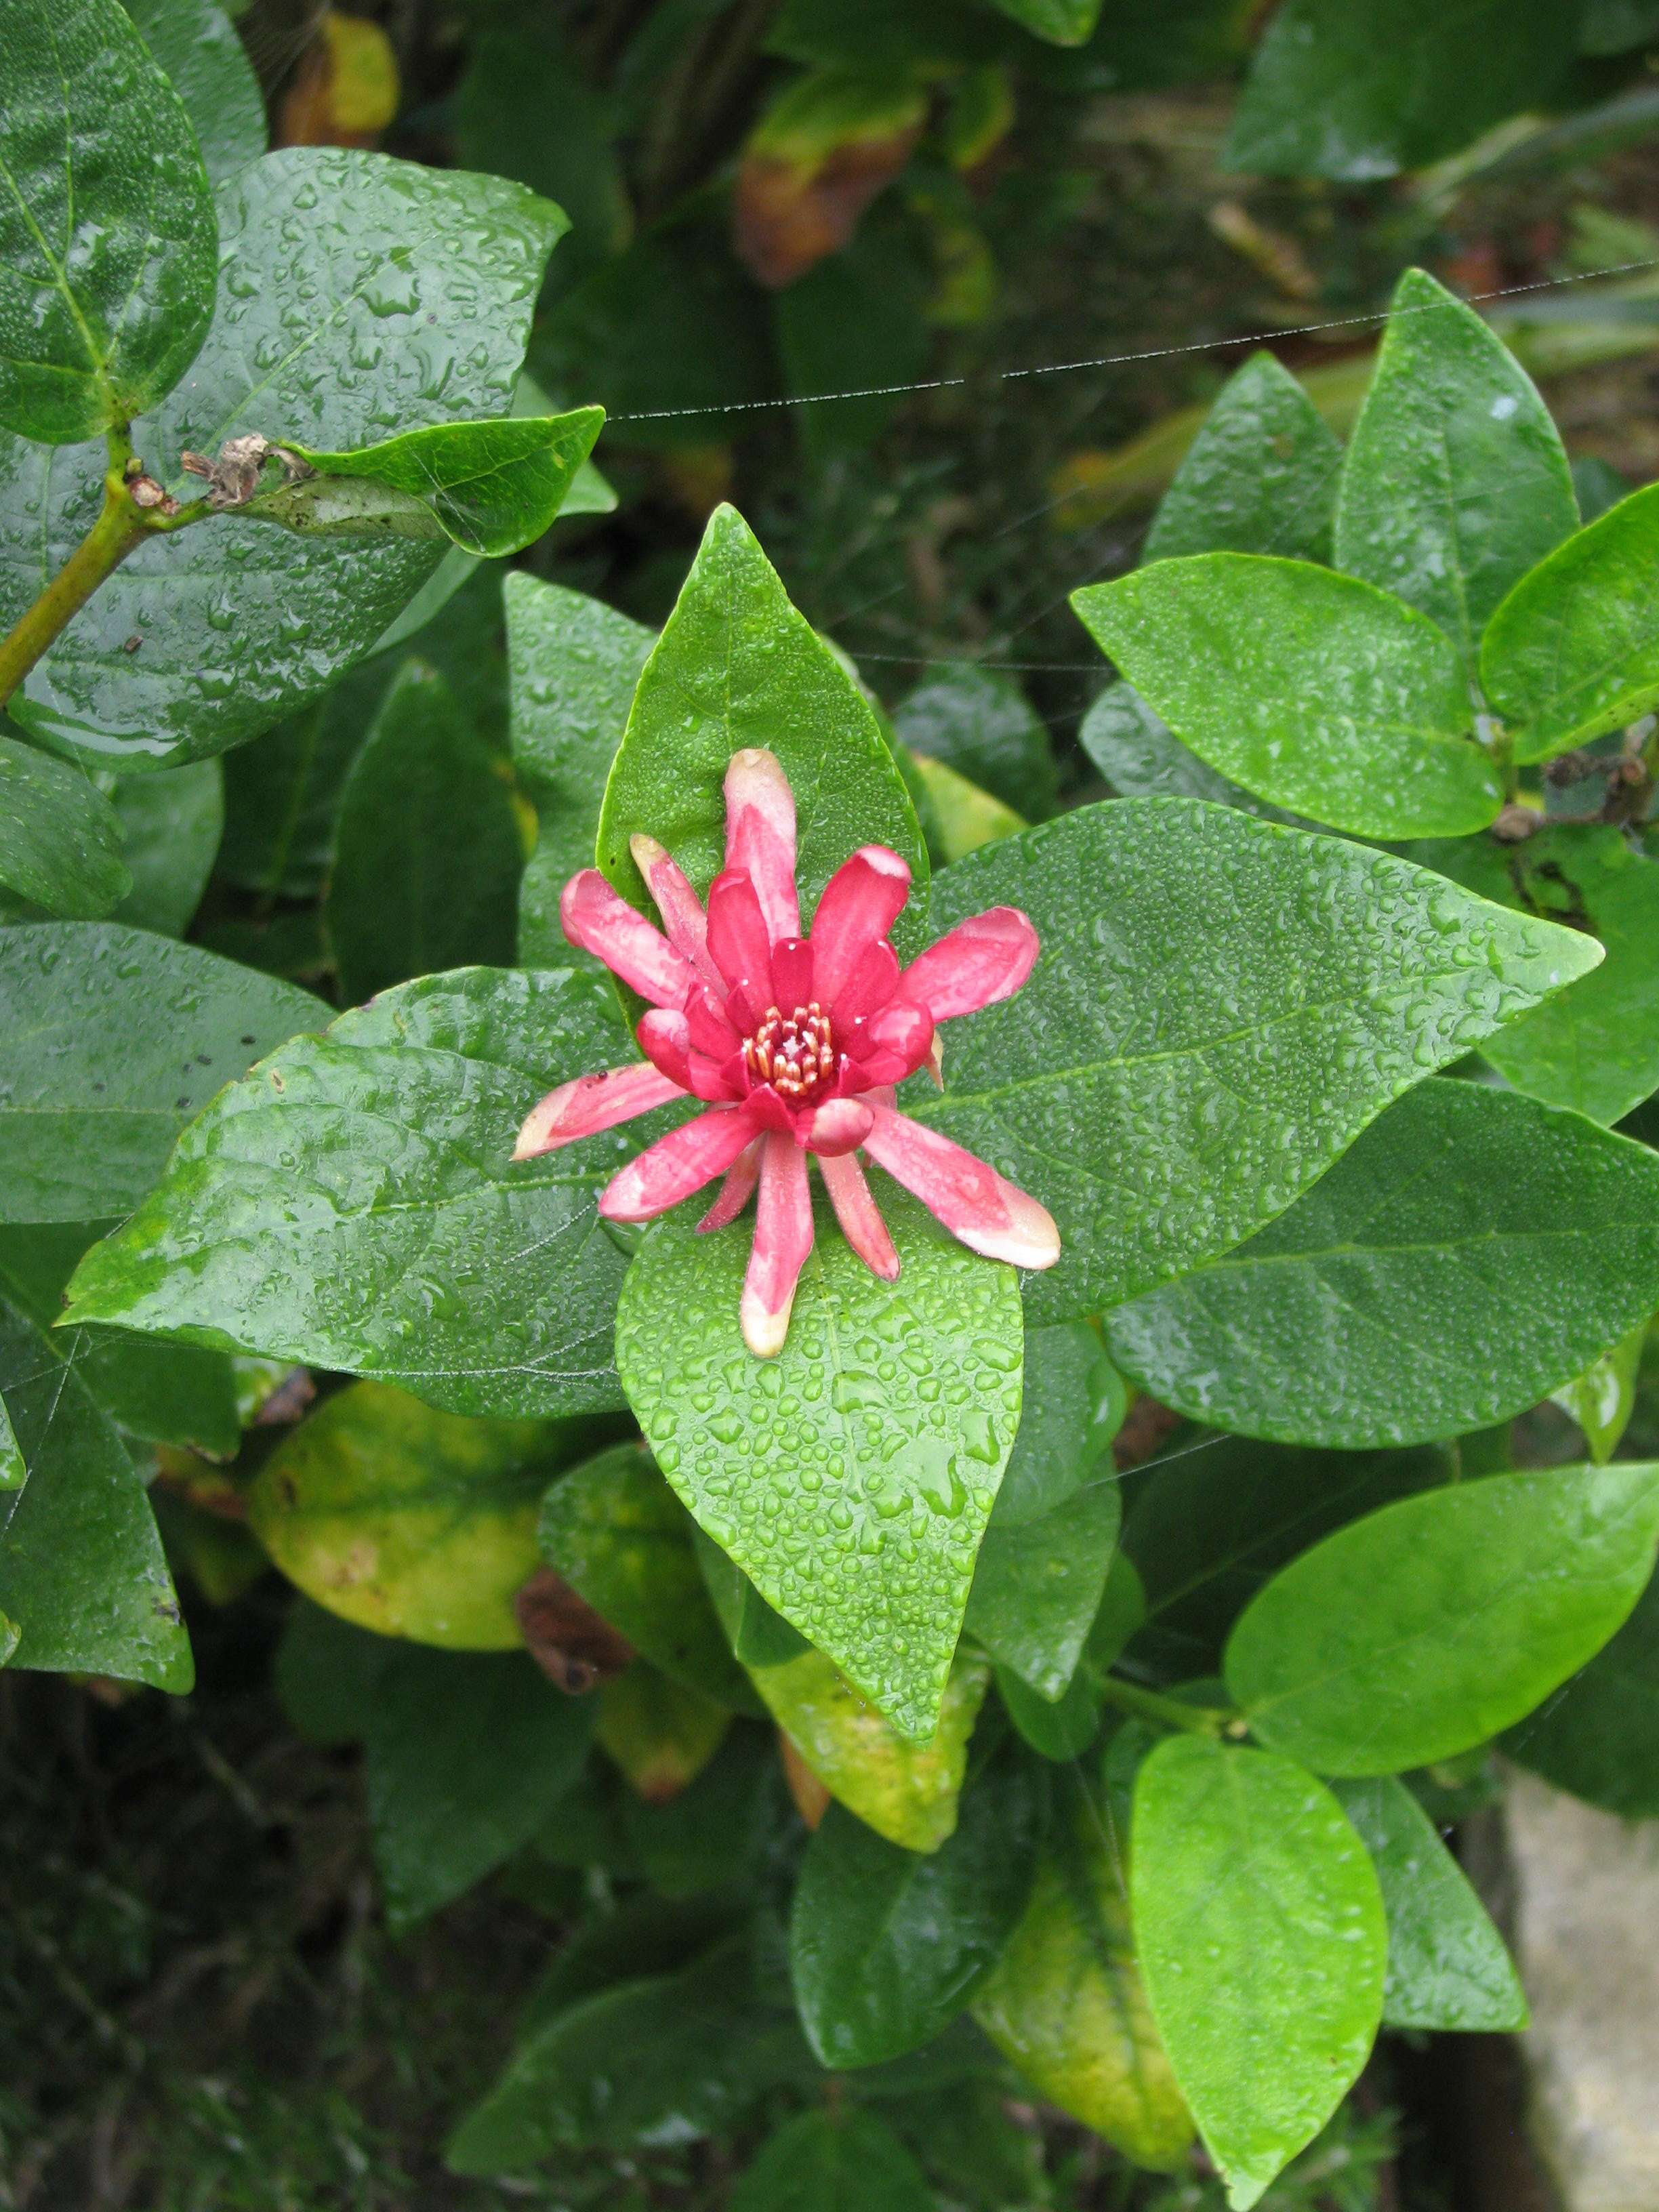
(794, 1053)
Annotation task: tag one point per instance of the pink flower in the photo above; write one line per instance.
(795, 1044)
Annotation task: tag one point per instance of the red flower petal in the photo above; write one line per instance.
(735, 1192)
(666, 1040)
(860, 904)
(791, 972)
(676, 1165)
(860, 1216)
(892, 1044)
(737, 937)
(783, 1238)
(870, 986)
(683, 917)
(590, 1103)
(601, 922)
(839, 1125)
(760, 835)
(973, 1200)
(985, 958)
(711, 1026)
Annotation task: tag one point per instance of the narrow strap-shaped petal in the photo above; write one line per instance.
(683, 918)
(985, 958)
(676, 1165)
(602, 923)
(860, 904)
(989, 1214)
(870, 986)
(839, 1125)
(760, 835)
(666, 1040)
(892, 1044)
(737, 937)
(860, 1216)
(791, 972)
(711, 1025)
(735, 1192)
(590, 1103)
(783, 1238)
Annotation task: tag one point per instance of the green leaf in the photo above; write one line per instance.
(1447, 1964)
(714, 1837)
(575, 663)
(905, 1791)
(408, 1521)
(1456, 482)
(959, 817)
(1061, 22)
(1470, 1251)
(738, 665)
(1066, 2002)
(469, 1753)
(1141, 757)
(839, 2160)
(758, 1636)
(658, 2058)
(979, 722)
(1573, 651)
(1261, 477)
(60, 839)
(170, 827)
(855, 1506)
(623, 1541)
(1060, 1729)
(1311, 689)
(109, 1030)
(1219, 1007)
(1211, 1525)
(1358, 89)
(106, 229)
(1072, 1407)
(354, 1204)
(431, 276)
(1037, 1587)
(195, 42)
(1599, 1736)
(427, 852)
(887, 1946)
(168, 1394)
(324, 1674)
(282, 792)
(1422, 1629)
(494, 487)
(14, 1471)
(82, 1571)
(1262, 1934)
(1602, 1399)
(658, 1733)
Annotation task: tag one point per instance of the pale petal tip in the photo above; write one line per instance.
(1030, 1240)
(647, 851)
(764, 1331)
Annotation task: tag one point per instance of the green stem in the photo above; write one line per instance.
(1168, 1713)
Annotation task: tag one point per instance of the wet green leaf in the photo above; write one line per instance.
(979, 722)
(1470, 1251)
(493, 487)
(427, 854)
(14, 1471)
(1602, 1399)
(431, 276)
(1037, 1587)
(575, 663)
(738, 665)
(1260, 478)
(325, 1672)
(841, 2161)
(110, 1040)
(1236, 1002)
(408, 1521)
(170, 829)
(81, 1573)
(905, 1791)
(1447, 1964)
(1455, 480)
(1311, 689)
(1141, 757)
(660, 1734)
(1059, 1729)
(60, 839)
(1573, 651)
(1260, 1928)
(958, 817)
(282, 794)
(856, 1507)
(355, 1205)
(758, 1636)
(623, 1541)
(1599, 1736)
(106, 230)
(1422, 1629)
(195, 42)
(886, 1946)
(469, 1753)
(1066, 2002)
(715, 1835)
(1072, 1405)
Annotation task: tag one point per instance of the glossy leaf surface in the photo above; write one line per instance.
(354, 1204)
(854, 1506)
(1311, 689)
(1261, 477)
(196, 44)
(1070, 1405)
(1470, 1251)
(1424, 1628)
(60, 839)
(1219, 1007)
(1037, 1587)
(170, 829)
(1599, 1736)
(833, 2161)
(1261, 1935)
(1141, 757)
(979, 722)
